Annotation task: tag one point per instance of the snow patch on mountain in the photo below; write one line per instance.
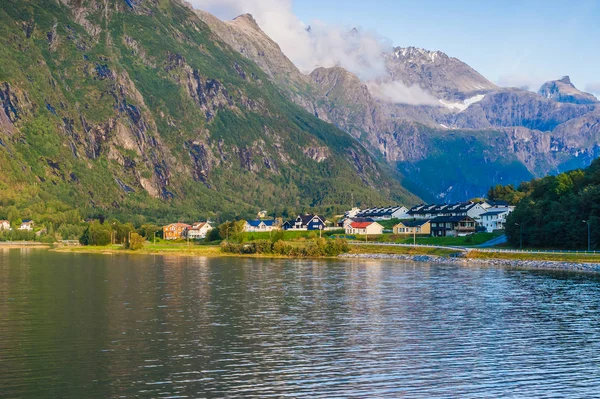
(463, 105)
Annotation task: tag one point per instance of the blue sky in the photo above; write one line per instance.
(510, 42)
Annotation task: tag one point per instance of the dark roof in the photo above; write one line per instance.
(307, 218)
(441, 208)
(378, 212)
(450, 219)
(256, 223)
(498, 203)
(415, 223)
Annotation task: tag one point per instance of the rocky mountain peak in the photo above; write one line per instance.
(247, 19)
(416, 54)
(566, 80)
(564, 91)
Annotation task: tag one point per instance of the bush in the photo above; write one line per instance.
(96, 234)
(136, 242)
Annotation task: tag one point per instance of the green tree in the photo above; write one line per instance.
(136, 242)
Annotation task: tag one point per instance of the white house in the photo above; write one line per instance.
(4, 225)
(386, 213)
(198, 231)
(364, 228)
(253, 226)
(494, 219)
(26, 225)
(352, 212)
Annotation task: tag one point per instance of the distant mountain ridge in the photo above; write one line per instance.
(468, 135)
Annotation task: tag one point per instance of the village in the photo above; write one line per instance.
(445, 220)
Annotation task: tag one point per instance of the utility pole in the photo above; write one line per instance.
(589, 234)
(520, 235)
(155, 238)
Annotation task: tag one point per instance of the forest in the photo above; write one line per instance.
(554, 212)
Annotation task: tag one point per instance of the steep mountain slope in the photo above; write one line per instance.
(138, 107)
(466, 133)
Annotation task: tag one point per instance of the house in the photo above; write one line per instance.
(198, 231)
(305, 222)
(494, 219)
(443, 226)
(352, 212)
(413, 227)
(364, 228)
(262, 214)
(253, 226)
(4, 225)
(387, 213)
(26, 225)
(424, 211)
(175, 231)
(346, 222)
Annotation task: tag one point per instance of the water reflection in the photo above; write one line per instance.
(131, 326)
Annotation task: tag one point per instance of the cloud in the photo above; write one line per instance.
(398, 93)
(522, 81)
(320, 46)
(593, 88)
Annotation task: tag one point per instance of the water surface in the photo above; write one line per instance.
(98, 326)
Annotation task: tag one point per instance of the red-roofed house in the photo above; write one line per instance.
(364, 228)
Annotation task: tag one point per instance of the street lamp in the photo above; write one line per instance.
(589, 235)
(520, 235)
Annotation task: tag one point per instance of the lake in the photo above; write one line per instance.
(120, 326)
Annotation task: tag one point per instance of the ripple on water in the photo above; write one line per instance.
(119, 326)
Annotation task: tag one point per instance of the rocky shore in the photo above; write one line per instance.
(521, 264)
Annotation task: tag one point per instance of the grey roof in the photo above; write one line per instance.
(415, 223)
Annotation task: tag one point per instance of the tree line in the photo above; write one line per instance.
(553, 212)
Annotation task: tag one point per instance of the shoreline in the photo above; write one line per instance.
(508, 263)
(214, 252)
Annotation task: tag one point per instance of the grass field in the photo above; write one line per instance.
(470, 240)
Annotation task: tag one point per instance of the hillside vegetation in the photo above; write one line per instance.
(552, 210)
(130, 107)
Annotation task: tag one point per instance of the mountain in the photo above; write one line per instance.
(563, 91)
(447, 129)
(139, 107)
(435, 72)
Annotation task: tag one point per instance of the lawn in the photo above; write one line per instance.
(470, 240)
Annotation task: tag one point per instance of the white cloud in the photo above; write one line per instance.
(593, 88)
(522, 81)
(398, 93)
(322, 46)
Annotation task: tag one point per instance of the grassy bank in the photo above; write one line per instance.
(393, 250)
(178, 249)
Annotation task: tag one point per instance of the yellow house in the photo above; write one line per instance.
(413, 227)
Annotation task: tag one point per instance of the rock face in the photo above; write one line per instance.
(563, 91)
(139, 106)
(460, 136)
(444, 77)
